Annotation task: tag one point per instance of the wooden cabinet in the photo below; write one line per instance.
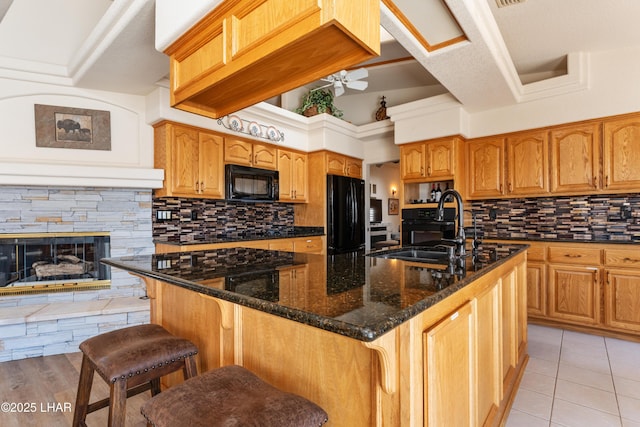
(450, 370)
(528, 164)
(247, 153)
(485, 168)
(622, 289)
(574, 293)
(293, 171)
(621, 154)
(338, 164)
(433, 160)
(244, 52)
(575, 158)
(192, 159)
(292, 287)
(489, 381)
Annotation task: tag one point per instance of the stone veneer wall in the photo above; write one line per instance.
(573, 218)
(63, 319)
(203, 219)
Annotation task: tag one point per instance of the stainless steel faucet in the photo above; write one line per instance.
(460, 237)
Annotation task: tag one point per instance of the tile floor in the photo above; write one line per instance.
(578, 380)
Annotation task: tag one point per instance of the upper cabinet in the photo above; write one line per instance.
(191, 159)
(528, 164)
(485, 158)
(432, 160)
(247, 153)
(338, 164)
(621, 155)
(246, 51)
(575, 158)
(292, 168)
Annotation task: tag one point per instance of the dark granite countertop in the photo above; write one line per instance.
(587, 239)
(275, 233)
(356, 295)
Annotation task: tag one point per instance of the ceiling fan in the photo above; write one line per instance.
(350, 79)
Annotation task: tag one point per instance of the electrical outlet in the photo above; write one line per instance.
(163, 215)
(625, 212)
(194, 215)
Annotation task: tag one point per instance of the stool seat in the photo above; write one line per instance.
(131, 360)
(230, 396)
(123, 353)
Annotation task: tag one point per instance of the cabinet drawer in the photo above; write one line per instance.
(281, 245)
(536, 253)
(574, 255)
(308, 245)
(622, 257)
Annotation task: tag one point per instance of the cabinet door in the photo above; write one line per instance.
(353, 168)
(300, 177)
(536, 288)
(285, 172)
(509, 327)
(309, 245)
(528, 164)
(449, 349)
(264, 157)
(621, 155)
(238, 152)
(486, 168)
(622, 299)
(575, 158)
(574, 294)
(488, 328)
(185, 178)
(440, 159)
(211, 165)
(412, 161)
(336, 164)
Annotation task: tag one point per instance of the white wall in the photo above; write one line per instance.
(386, 176)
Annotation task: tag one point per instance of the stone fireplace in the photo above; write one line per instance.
(37, 320)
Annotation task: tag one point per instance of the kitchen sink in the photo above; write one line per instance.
(429, 255)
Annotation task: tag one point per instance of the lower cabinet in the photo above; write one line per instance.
(588, 286)
(622, 299)
(450, 369)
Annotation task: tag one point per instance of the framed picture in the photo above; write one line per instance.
(394, 206)
(64, 127)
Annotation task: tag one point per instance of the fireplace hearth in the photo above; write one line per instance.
(53, 262)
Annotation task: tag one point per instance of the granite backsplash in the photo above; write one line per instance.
(188, 220)
(588, 218)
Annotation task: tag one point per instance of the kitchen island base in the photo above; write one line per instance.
(456, 363)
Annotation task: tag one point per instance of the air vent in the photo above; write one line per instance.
(503, 3)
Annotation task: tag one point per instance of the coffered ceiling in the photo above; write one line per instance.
(475, 50)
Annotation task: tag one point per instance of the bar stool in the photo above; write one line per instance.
(230, 396)
(131, 360)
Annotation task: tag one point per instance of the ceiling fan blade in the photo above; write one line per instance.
(338, 88)
(358, 85)
(322, 87)
(358, 74)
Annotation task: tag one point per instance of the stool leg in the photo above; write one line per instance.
(84, 392)
(155, 386)
(190, 369)
(118, 403)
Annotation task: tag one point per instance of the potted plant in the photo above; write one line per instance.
(318, 101)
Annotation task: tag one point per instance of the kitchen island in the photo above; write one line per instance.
(373, 340)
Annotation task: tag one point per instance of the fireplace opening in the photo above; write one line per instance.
(53, 262)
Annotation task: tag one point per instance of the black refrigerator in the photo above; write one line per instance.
(345, 214)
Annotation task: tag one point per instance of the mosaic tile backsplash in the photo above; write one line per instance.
(189, 220)
(588, 218)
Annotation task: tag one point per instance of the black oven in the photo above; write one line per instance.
(420, 226)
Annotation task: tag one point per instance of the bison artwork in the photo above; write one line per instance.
(68, 125)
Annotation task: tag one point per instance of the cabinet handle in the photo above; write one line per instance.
(595, 182)
(606, 181)
(573, 256)
(255, 159)
(197, 187)
(608, 278)
(201, 185)
(429, 171)
(500, 188)
(293, 193)
(510, 187)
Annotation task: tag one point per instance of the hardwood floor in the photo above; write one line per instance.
(46, 387)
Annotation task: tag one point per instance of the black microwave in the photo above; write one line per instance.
(250, 184)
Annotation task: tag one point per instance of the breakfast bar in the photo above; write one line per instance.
(373, 339)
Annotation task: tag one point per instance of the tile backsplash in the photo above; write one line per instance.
(589, 218)
(187, 220)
